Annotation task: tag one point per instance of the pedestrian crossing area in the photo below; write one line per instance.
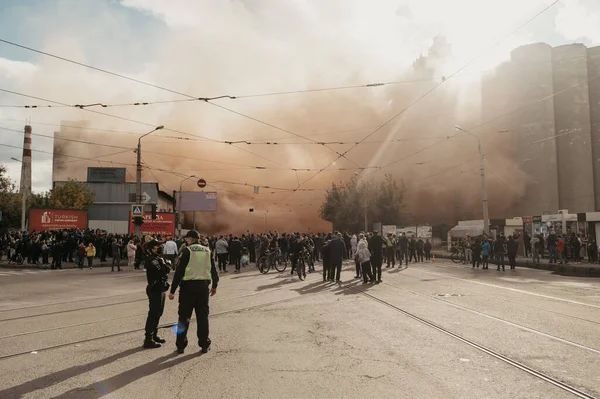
(26, 272)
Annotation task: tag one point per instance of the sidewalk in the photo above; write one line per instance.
(579, 270)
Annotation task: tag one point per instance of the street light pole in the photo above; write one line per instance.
(23, 201)
(484, 200)
(138, 177)
(179, 202)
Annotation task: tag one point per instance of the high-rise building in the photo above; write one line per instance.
(548, 101)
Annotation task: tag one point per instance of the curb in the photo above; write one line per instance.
(563, 270)
(65, 266)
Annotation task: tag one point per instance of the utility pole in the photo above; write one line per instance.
(138, 177)
(484, 200)
(23, 192)
(366, 221)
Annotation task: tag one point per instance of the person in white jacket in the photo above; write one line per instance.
(131, 249)
(364, 258)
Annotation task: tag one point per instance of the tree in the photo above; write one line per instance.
(388, 202)
(10, 202)
(345, 203)
(72, 194)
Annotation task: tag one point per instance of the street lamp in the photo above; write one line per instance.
(23, 200)
(138, 185)
(486, 217)
(179, 200)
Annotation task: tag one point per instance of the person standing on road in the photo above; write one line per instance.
(485, 253)
(131, 250)
(376, 244)
(500, 251)
(476, 248)
(535, 249)
(390, 245)
(467, 248)
(427, 248)
(512, 247)
(403, 244)
(170, 250)
(364, 257)
(338, 250)
(420, 247)
(195, 271)
(157, 274)
(116, 255)
(221, 248)
(235, 250)
(90, 252)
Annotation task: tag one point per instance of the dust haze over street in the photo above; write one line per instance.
(77, 334)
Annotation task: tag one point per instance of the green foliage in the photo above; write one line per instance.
(345, 203)
(71, 194)
(10, 202)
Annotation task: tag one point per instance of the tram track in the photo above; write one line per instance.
(500, 319)
(497, 355)
(509, 301)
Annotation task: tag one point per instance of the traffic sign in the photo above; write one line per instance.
(201, 183)
(137, 210)
(145, 198)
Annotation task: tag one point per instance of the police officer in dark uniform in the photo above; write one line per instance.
(195, 271)
(157, 272)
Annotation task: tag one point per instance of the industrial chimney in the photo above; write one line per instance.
(25, 186)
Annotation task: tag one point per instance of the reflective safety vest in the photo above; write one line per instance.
(199, 266)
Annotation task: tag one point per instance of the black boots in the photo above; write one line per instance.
(153, 341)
(158, 339)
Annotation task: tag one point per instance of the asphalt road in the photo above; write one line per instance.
(430, 331)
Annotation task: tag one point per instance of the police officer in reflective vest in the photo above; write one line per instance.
(195, 272)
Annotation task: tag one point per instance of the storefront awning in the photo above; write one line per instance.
(461, 231)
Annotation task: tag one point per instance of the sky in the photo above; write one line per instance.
(208, 48)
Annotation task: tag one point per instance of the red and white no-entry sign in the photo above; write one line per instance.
(201, 183)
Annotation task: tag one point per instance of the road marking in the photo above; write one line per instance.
(515, 290)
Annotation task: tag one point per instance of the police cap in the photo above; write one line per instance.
(193, 234)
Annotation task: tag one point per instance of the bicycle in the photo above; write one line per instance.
(458, 256)
(272, 260)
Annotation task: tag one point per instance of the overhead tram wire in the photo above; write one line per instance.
(207, 100)
(438, 85)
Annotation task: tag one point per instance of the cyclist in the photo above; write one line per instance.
(296, 252)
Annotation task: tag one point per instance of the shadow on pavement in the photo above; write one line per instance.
(313, 287)
(279, 283)
(63, 375)
(102, 388)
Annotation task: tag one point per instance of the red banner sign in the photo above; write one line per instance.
(57, 219)
(163, 225)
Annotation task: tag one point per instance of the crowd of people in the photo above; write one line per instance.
(559, 248)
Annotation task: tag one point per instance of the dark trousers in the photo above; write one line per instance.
(116, 259)
(413, 255)
(390, 252)
(236, 259)
(403, 256)
(376, 265)
(427, 254)
(500, 258)
(366, 271)
(90, 260)
(252, 254)
(56, 262)
(337, 267)
(222, 261)
(485, 261)
(358, 268)
(512, 260)
(193, 296)
(419, 255)
(327, 272)
(45, 258)
(156, 305)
